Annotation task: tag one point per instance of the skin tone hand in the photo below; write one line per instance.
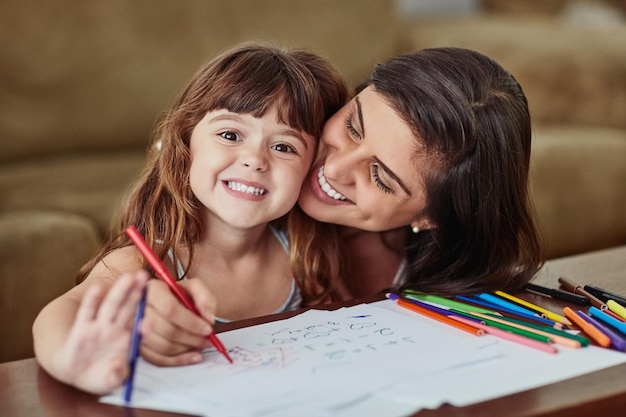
(173, 335)
(94, 356)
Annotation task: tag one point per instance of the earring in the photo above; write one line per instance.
(415, 229)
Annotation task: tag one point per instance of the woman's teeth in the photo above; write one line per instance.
(321, 179)
(242, 188)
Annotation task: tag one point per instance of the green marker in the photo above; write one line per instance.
(446, 302)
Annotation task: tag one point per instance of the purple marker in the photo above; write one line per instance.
(433, 308)
(617, 341)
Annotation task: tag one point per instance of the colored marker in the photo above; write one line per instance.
(442, 318)
(546, 347)
(616, 308)
(162, 273)
(571, 286)
(557, 294)
(549, 314)
(510, 327)
(615, 316)
(502, 311)
(556, 338)
(605, 295)
(550, 329)
(608, 319)
(506, 304)
(439, 310)
(446, 302)
(617, 341)
(599, 337)
(134, 347)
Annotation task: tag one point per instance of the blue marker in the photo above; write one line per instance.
(611, 321)
(134, 347)
(506, 304)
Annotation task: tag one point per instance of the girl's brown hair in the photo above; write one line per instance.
(248, 79)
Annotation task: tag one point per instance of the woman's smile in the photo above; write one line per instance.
(331, 192)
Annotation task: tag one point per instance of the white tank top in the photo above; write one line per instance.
(293, 301)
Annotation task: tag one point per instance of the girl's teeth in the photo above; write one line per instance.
(321, 179)
(237, 186)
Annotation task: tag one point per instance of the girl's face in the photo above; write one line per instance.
(246, 170)
(368, 173)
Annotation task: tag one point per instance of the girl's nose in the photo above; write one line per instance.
(255, 159)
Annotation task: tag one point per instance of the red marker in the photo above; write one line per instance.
(162, 273)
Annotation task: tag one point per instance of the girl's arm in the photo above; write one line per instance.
(172, 335)
(82, 338)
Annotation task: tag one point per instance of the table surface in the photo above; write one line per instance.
(27, 390)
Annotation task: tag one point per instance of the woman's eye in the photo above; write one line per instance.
(378, 181)
(228, 135)
(351, 130)
(283, 147)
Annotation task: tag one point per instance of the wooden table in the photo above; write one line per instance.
(26, 390)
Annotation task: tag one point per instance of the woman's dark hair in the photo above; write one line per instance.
(472, 120)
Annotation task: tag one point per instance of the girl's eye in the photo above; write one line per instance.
(351, 130)
(229, 135)
(378, 181)
(283, 147)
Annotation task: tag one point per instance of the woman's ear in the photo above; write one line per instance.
(421, 224)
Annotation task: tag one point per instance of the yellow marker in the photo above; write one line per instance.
(549, 314)
(616, 308)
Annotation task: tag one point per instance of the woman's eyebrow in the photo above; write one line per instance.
(359, 113)
(393, 176)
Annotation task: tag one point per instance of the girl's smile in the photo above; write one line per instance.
(247, 170)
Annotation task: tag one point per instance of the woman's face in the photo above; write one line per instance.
(368, 172)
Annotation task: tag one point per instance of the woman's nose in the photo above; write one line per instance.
(341, 164)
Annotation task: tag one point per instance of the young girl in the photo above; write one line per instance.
(227, 166)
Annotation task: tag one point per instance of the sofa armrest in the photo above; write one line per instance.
(40, 254)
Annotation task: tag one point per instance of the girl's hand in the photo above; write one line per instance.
(94, 357)
(173, 335)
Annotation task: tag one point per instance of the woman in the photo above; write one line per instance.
(426, 172)
(420, 181)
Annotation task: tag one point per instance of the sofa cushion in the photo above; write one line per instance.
(88, 76)
(578, 180)
(40, 253)
(91, 185)
(570, 73)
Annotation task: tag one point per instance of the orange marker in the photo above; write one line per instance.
(436, 316)
(600, 338)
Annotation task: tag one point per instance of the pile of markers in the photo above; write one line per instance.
(506, 316)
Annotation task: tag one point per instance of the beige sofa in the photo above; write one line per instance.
(82, 84)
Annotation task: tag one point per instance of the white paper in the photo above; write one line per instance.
(366, 360)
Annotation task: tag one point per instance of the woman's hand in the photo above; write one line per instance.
(94, 356)
(173, 335)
